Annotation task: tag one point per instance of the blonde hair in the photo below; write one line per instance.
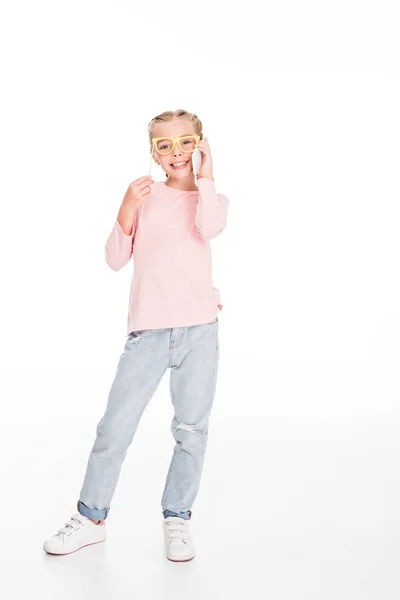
(168, 115)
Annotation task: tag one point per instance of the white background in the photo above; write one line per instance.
(300, 102)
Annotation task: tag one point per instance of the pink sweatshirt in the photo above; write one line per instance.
(172, 269)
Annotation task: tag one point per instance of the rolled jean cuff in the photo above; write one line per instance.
(187, 514)
(92, 513)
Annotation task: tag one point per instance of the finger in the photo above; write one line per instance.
(142, 179)
(145, 183)
(144, 191)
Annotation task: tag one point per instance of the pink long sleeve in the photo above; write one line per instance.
(119, 246)
(172, 284)
(211, 211)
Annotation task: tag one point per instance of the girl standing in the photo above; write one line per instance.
(172, 323)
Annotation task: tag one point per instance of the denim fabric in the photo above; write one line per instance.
(184, 515)
(192, 355)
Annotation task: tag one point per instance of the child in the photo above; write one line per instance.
(172, 323)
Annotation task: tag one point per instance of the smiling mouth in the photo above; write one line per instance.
(179, 165)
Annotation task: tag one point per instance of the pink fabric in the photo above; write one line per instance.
(172, 267)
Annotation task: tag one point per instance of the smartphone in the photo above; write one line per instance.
(196, 161)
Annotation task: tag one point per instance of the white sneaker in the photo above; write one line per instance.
(79, 531)
(178, 542)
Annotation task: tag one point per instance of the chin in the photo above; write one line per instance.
(180, 175)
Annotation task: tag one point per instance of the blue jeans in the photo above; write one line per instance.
(192, 353)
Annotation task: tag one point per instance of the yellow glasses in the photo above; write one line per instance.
(187, 143)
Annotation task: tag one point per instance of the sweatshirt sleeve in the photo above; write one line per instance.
(211, 210)
(119, 246)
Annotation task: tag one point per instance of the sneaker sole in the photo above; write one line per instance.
(72, 551)
(181, 559)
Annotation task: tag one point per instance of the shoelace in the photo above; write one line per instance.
(74, 523)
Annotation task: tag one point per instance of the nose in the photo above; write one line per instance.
(176, 151)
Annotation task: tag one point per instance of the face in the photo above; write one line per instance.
(175, 128)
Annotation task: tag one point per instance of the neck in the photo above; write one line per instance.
(187, 184)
